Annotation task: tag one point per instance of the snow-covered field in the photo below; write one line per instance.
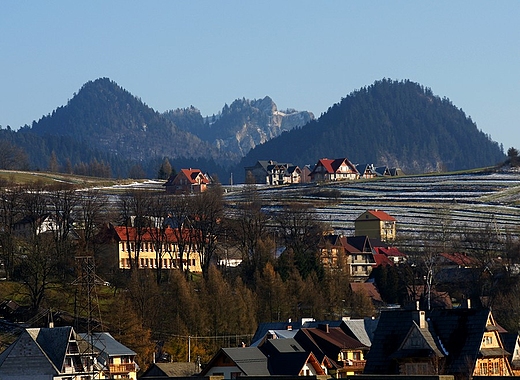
(418, 203)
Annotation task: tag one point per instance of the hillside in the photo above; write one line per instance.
(398, 124)
(105, 116)
(240, 127)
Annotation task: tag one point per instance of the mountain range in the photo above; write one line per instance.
(394, 123)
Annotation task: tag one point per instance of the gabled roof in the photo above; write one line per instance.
(327, 341)
(361, 329)
(459, 330)
(54, 342)
(368, 288)
(287, 329)
(194, 175)
(332, 166)
(250, 360)
(361, 243)
(168, 370)
(460, 259)
(378, 214)
(381, 259)
(287, 357)
(105, 342)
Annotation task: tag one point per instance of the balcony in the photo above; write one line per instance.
(122, 368)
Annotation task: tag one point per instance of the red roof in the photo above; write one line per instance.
(368, 288)
(193, 174)
(381, 215)
(332, 166)
(389, 251)
(381, 259)
(130, 234)
(461, 259)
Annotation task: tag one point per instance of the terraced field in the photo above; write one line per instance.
(418, 203)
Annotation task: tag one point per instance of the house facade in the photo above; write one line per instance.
(458, 342)
(187, 181)
(61, 353)
(273, 173)
(376, 224)
(121, 247)
(327, 170)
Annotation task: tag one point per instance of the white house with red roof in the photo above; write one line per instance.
(376, 224)
(187, 181)
(327, 170)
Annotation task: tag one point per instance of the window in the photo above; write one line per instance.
(483, 368)
(235, 375)
(496, 368)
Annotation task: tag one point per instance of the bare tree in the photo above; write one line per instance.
(206, 220)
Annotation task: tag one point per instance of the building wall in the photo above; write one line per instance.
(148, 259)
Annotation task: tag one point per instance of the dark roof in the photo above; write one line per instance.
(264, 328)
(171, 370)
(322, 343)
(459, 330)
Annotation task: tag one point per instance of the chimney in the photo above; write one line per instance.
(468, 303)
(324, 327)
(420, 318)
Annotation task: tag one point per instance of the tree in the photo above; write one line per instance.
(207, 216)
(512, 153)
(12, 157)
(53, 163)
(165, 170)
(134, 208)
(137, 172)
(250, 230)
(302, 232)
(10, 212)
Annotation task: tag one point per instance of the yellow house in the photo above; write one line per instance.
(149, 248)
(376, 224)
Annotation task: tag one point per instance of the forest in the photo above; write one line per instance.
(281, 275)
(104, 130)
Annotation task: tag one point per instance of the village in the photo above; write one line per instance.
(428, 332)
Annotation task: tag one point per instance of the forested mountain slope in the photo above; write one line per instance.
(105, 116)
(394, 123)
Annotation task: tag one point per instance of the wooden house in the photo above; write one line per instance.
(458, 342)
(327, 170)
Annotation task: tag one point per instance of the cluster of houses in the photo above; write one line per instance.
(270, 172)
(325, 170)
(371, 246)
(62, 353)
(456, 343)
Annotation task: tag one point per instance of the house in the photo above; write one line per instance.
(114, 359)
(327, 170)
(187, 181)
(511, 343)
(376, 224)
(273, 173)
(120, 244)
(353, 253)
(345, 354)
(61, 353)
(385, 255)
(367, 171)
(360, 257)
(284, 357)
(461, 342)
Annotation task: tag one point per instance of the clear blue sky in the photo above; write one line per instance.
(303, 54)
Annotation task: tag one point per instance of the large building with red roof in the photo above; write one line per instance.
(327, 170)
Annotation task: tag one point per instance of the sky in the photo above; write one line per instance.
(305, 55)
